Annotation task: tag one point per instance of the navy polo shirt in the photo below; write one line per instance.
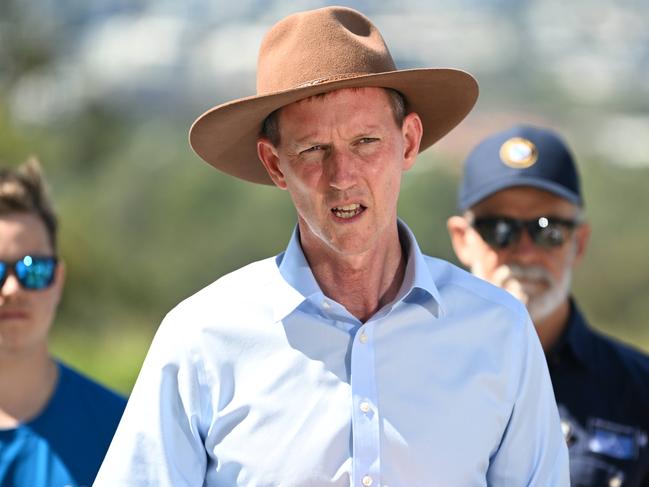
(602, 390)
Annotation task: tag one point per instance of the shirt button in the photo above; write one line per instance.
(367, 481)
(326, 305)
(365, 406)
(363, 337)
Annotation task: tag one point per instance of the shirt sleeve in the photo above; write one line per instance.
(533, 451)
(158, 441)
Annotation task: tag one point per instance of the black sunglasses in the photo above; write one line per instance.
(545, 231)
(33, 272)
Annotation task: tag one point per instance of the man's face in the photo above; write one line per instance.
(341, 158)
(25, 315)
(540, 277)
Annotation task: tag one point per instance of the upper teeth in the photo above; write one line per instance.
(352, 207)
(347, 211)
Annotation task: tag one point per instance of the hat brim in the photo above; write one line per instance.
(559, 190)
(226, 135)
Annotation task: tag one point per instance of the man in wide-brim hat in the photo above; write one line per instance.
(351, 358)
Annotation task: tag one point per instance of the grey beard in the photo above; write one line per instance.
(541, 305)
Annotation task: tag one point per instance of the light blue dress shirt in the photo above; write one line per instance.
(262, 380)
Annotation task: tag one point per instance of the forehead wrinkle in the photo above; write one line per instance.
(345, 129)
(365, 117)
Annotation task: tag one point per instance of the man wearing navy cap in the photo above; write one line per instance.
(522, 228)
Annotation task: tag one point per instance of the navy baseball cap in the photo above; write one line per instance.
(521, 156)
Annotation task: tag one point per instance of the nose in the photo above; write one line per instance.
(341, 170)
(10, 287)
(525, 251)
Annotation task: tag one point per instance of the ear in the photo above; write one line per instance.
(269, 157)
(458, 228)
(412, 130)
(582, 237)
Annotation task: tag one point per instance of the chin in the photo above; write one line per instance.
(541, 307)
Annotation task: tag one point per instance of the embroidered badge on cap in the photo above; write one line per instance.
(518, 153)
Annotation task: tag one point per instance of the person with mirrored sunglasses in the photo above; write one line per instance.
(55, 423)
(33, 272)
(521, 226)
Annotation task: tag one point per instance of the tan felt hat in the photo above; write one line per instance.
(315, 52)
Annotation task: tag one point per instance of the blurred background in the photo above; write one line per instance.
(104, 92)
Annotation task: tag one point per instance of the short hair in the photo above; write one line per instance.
(23, 190)
(270, 126)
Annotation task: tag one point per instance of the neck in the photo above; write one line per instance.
(550, 328)
(363, 282)
(27, 381)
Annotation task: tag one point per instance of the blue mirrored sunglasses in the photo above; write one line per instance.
(33, 272)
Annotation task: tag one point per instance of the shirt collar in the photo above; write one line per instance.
(418, 283)
(295, 269)
(282, 297)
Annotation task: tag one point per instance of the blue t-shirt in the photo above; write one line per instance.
(65, 444)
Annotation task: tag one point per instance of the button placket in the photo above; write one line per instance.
(365, 417)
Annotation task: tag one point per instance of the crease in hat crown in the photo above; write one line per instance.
(314, 52)
(287, 52)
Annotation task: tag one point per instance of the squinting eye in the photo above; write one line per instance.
(314, 148)
(367, 140)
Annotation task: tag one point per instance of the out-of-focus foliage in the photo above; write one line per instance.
(145, 223)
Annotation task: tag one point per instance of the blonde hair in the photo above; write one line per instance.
(23, 190)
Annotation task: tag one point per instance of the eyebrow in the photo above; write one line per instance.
(313, 139)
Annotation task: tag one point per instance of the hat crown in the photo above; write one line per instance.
(309, 48)
(315, 52)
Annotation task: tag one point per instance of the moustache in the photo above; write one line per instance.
(531, 273)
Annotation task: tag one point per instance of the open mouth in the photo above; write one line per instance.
(348, 211)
